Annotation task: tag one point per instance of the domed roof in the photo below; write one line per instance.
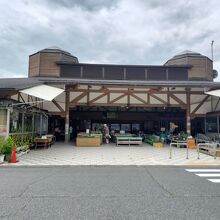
(54, 49)
(188, 53)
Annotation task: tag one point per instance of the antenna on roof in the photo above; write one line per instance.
(212, 49)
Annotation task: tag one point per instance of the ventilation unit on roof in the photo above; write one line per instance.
(215, 74)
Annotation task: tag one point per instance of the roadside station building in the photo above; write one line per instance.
(126, 97)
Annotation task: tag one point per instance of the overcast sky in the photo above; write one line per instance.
(107, 31)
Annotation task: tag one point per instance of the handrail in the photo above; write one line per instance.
(184, 143)
(20, 133)
(208, 145)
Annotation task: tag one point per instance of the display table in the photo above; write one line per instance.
(87, 140)
(118, 135)
(128, 140)
(51, 138)
(45, 142)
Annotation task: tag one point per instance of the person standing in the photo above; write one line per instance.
(106, 133)
(71, 132)
(57, 132)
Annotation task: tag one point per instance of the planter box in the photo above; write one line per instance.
(99, 136)
(88, 141)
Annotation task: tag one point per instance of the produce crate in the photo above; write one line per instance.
(151, 139)
(158, 144)
(191, 143)
(217, 153)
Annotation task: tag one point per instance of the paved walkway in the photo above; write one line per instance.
(66, 154)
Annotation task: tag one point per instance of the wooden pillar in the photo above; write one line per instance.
(67, 119)
(188, 118)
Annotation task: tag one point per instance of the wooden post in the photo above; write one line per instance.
(188, 118)
(67, 119)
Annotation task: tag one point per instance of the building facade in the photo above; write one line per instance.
(127, 97)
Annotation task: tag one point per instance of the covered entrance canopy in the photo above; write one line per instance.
(43, 92)
(187, 96)
(215, 92)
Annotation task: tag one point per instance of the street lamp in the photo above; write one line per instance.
(212, 49)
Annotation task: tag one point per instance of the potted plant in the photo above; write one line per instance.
(2, 156)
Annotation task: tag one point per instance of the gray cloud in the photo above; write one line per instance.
(105, 31)
(90, 5)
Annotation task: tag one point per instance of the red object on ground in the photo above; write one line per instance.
(13, 156)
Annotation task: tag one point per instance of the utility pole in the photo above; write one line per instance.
(212, 49)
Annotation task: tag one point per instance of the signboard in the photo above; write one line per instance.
(4, 132)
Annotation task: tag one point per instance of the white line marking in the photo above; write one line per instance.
(203, 170)
(208, 174)
(214, 180)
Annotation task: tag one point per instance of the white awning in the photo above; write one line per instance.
(214, 92)
(43, 92)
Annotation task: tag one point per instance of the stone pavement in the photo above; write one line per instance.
(67, 154)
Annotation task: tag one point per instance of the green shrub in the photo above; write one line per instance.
(1, 145)
(7, 146)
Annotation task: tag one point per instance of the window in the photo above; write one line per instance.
(16, 122)
(27, 122)
(96, 126)
(115, 127)
(211, 124)
(44, 124)
(37, 123)
(135, 127)
(125, 127)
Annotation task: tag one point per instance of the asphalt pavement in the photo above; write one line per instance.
(107, 192)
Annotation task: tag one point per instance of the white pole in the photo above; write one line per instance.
(8, 122)
(212, 49)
